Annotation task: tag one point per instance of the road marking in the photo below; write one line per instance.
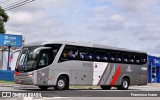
(27, 98)
(51, 98)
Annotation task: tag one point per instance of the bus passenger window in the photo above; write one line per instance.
(104, 58)
(131, 60)
(88, 57)
(82, 56)
(64, 55)
(143, 60)
(112, 58)
(69, 53)
(137, 58)
(102, 55)
(118, 59)
(125, 60)
(137, 61)
(128, 58)
(97, 58)
(116, 56)
(86, 54)
(140, 59)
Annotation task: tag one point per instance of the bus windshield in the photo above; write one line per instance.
(33, 58)
(26, 61)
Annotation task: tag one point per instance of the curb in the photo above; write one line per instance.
(32, 86)
(7, 85)
(16, 85)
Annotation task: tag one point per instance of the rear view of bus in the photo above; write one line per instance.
(62, 64)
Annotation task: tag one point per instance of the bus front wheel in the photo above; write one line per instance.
(124, 84)
(61, 83)
(105, 87)
(43, 87)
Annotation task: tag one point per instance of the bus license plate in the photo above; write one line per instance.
(20, 81)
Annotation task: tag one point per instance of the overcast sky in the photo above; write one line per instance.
(130, 24)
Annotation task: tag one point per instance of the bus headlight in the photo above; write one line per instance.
(30, 75)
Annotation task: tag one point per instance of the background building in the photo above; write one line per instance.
(153, 69)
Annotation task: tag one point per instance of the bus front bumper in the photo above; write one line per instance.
(25, 81)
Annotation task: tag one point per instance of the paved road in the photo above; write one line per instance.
(84, 98)
(153, 90)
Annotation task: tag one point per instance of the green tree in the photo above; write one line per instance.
(3, 18)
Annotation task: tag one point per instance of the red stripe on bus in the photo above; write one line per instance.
(115, 77)
(103, 74)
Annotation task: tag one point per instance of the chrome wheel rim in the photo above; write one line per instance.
(125, 84)
(61, 83)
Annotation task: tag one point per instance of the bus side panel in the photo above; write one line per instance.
(51, 78)
(113, 74)
(42, 76)
(143, 79)
(110, 75)
(73, 80)
(80, 72)
(100, 72)
(130, 71)
(59, 72)
(136, 75)
(34, 77)
(84, 77)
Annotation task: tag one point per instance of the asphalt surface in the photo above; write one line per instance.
(134, 91)
(30, 92)
(84, 98)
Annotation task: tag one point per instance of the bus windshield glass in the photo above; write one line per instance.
(30, 59)
(26, 61)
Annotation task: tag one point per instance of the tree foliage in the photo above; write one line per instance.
(3, 18)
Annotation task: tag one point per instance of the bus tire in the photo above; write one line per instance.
(43, 87)
(124, 84)
(61, 83)
(105, 87)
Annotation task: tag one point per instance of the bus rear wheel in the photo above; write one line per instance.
(61, 83)
(105, 87)
(124, 84)
(43, 87)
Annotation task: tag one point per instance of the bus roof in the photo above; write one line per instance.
(34, 44)
(86, 44)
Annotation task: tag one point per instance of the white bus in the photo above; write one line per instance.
(61, 64)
